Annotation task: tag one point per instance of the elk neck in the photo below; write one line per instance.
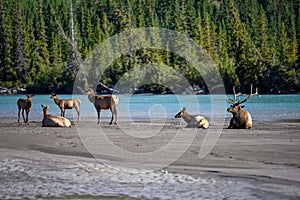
(45, 110)
(56, 100)
(29, 103)
(187, 117)
(91, 97)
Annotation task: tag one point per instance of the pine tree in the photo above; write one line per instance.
(244, 52)
(180, 20)
(209, 36)
(54, 45)
(191, 15)
(86, 31)
(283, 44)
(19, 54)
(198, 31)
(41, 64)
(225, 64)
(165, 12)
(293, 51)
(73, 55)
(139, 13)
(99, 34)
(6, 69)
(263, 38)
(149, 13)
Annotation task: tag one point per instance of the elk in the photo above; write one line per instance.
(24, 104)
(67, 104)
(241, 119)
(193, 121)
(54, 121)
(104, 102)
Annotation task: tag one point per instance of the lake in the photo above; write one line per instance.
(263, 107)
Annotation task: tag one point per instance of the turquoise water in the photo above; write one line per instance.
(264, 107)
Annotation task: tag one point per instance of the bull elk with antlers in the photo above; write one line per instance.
(25, 105)
(193, 121)
(104, 102)
(67, 104)
(241, 119)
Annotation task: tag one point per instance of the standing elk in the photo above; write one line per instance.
(241, 119)
(193, 121)
(24, 104)
(67, 104)
(104, 102)
(54, 121)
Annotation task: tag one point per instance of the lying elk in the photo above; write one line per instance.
(54, 121)
(241, 119)
(67, 104)
(104, 102)
(193, 121)
(24, 104)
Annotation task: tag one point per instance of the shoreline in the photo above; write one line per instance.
(55, 140)
(269, 152)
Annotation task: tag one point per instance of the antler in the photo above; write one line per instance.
(233, 101)
(249, 96)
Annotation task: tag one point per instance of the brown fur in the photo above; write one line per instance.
(241, 119)
(193, 121)
(54, 121)
(25, 105)
(104, 102)
(67, 104)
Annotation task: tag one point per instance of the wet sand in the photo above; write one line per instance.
(269, 152)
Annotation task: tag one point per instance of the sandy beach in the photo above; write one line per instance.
(267, 157)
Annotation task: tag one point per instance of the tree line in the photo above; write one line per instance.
(43, 43)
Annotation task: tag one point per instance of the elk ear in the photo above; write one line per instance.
(242, 106)
(184, 108)
(42, 105)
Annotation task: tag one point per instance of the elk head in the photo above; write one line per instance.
(45, 109)
(179, 115)
(53, 95)
(235, 105)
(89, 91)
(30, 96)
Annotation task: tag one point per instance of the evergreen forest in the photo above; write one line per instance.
(44, 42)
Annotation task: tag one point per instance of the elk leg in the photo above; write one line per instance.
(78, 112)
(19, 114)
(230, 124)
(27, 113)
(62, 112)
(99, 111)
(116, 116)
(112, 116)
(23, 115)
